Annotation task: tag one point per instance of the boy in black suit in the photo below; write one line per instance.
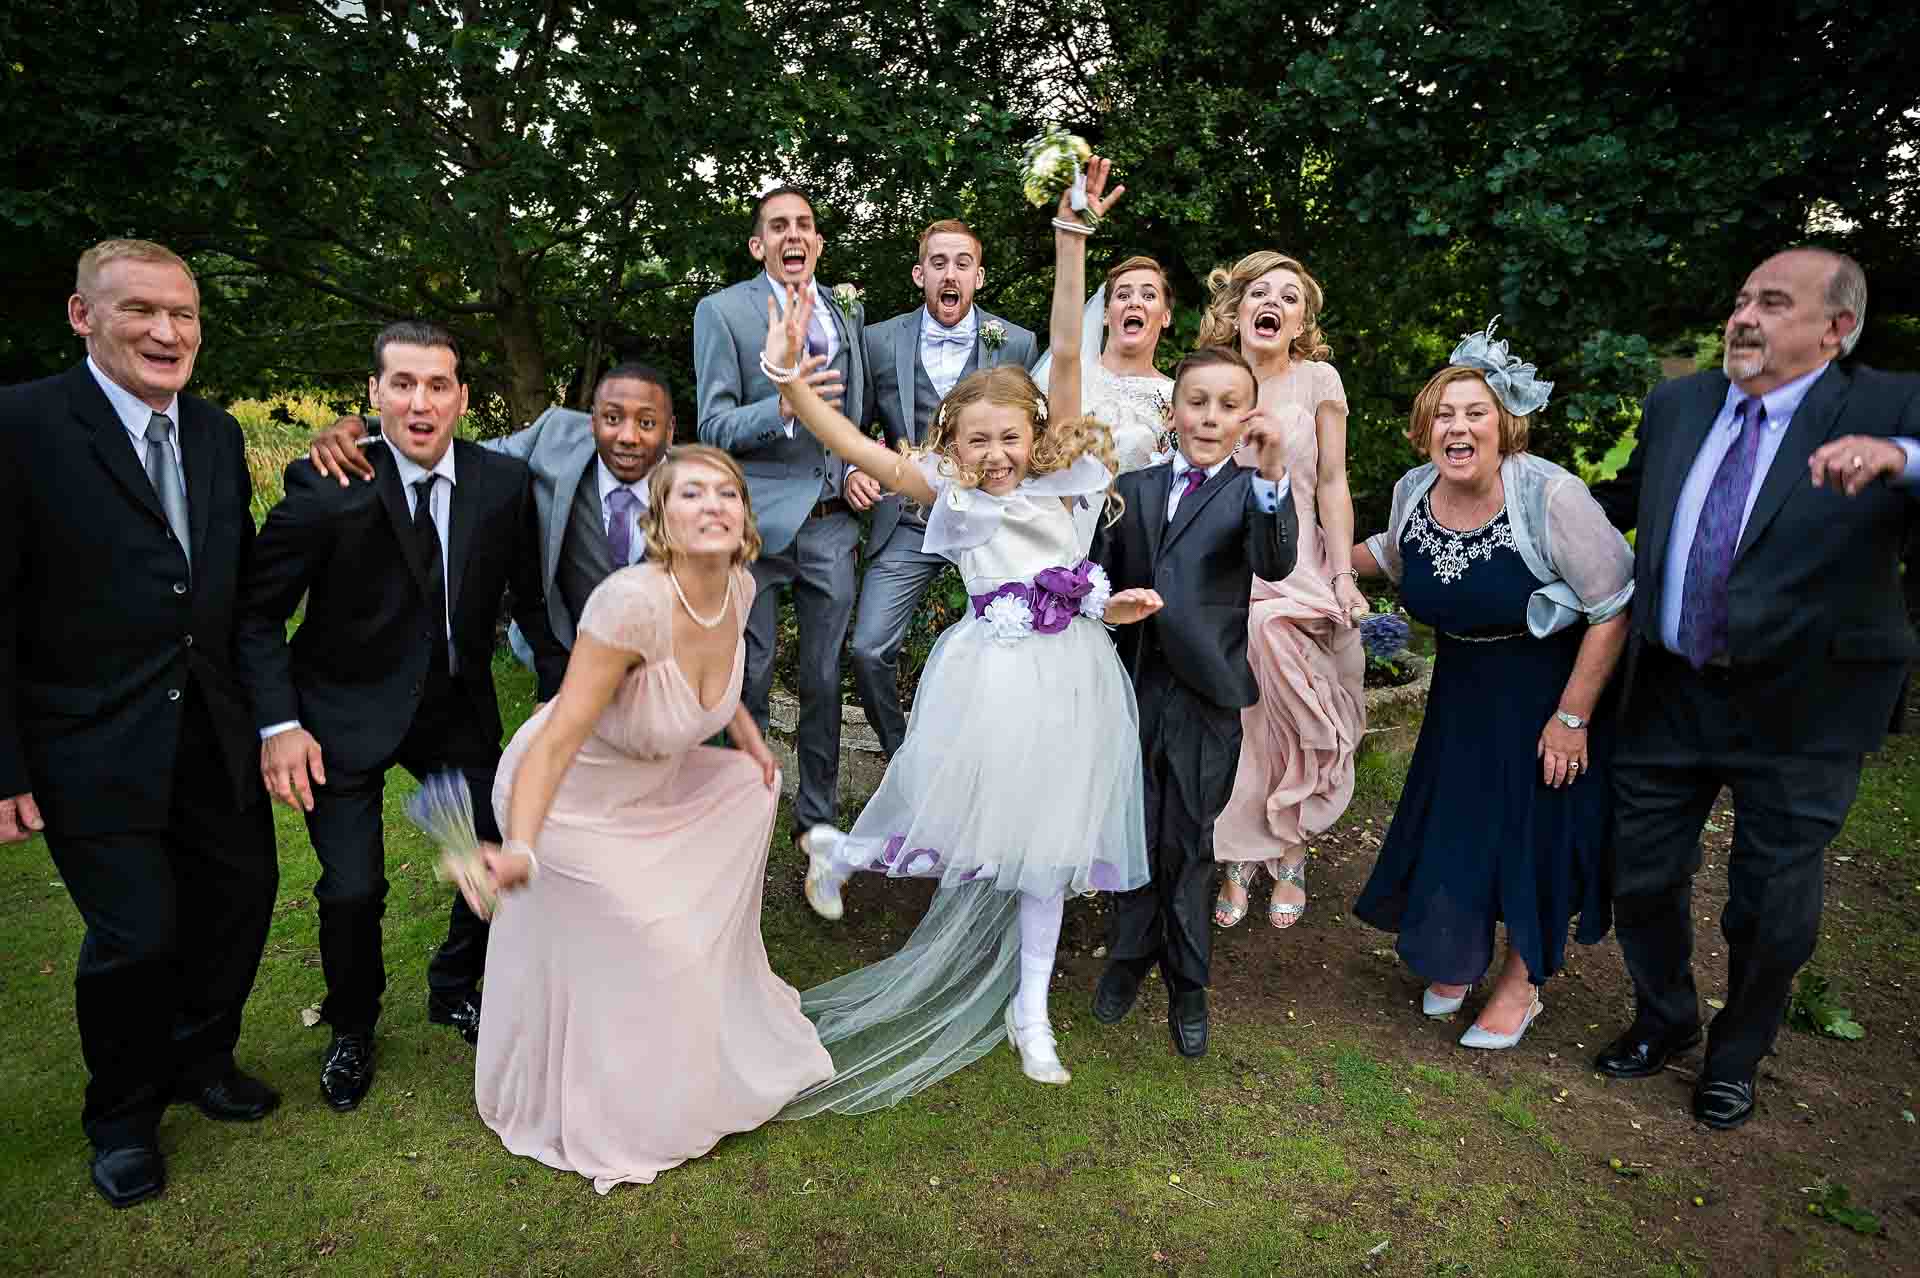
(1197, 530)
(392, 664)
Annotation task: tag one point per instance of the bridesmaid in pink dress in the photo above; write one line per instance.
(632, 1020)
(1296, 761)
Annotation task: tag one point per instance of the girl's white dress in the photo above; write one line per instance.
(1020, 772)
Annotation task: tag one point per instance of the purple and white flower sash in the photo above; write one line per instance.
(1048, 604)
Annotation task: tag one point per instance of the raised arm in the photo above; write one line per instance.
(1070, 288)
(786, 343)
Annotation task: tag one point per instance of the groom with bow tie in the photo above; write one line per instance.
(917, 359)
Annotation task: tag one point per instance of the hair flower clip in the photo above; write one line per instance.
(1508, 376)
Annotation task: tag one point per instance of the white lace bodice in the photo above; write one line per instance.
(1134, 409)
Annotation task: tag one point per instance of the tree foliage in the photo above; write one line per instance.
(560, 182)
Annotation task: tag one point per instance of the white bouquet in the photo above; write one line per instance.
(1054, 160)
(443, 809)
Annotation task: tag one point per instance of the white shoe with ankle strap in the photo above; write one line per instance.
(1038, 1058)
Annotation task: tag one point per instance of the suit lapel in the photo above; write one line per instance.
(566, 491)
(1190, 507)
(1693, 420)
(387, 480)
(110, 441)
(982, 357)
(196, 448)
(1812, 422)
(1158, 483)
(463, 505)
(906, 359)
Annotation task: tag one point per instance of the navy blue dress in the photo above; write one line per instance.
(1478, 837)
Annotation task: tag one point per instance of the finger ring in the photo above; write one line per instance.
(1574, 766)
(1858, 462)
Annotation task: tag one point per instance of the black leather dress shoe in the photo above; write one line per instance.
(462, 1013)
(346, 1072)
(236, 1097)
(1642, 1051)
(1187, 1022)
(1113, 997)
(1723, 1103)
(129, 1174)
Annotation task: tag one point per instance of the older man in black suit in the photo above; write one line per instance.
(125, 526)
(1768, 645)
(403, 579)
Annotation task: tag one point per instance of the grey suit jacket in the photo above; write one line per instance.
(893, 351)
(558, 448)
(739, 408)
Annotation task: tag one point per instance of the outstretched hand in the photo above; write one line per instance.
(1133, 605)
(1852, 462)
(787, 344)
(1098, 200)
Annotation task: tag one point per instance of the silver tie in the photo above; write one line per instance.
(165, 478)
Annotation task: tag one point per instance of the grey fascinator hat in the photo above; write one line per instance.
(1512, 379)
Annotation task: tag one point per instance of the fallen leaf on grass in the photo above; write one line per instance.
(1717, 1004)
(310, 1016)
(46, 969)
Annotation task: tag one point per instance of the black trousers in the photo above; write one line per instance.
(1686, 734)
(176, 921)
(348, 837)
(1190, 749)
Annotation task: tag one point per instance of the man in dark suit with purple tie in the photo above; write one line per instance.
(1768, 644)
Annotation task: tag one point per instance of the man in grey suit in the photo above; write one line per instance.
(917, 358)
(807, 529)
(589, 481)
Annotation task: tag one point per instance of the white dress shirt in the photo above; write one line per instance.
(134, 414)
(944, 351)
(637, 538)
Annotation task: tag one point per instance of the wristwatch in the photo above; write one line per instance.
(1570, 719)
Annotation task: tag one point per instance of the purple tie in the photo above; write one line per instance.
(1703, 609)
(620, 504)
(1192, 477)
(817, 334)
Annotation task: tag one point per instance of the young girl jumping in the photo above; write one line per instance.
(1019, 778)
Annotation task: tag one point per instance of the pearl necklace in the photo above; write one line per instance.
(699, 620)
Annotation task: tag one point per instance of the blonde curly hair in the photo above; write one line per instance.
(653, 521)
(1055, 447)
(1220, 322)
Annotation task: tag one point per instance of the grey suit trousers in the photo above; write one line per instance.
(819, 567)
(898, 574)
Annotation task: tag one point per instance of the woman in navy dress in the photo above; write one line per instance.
(1504, 816)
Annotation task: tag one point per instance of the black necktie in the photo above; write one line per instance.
(426, 537)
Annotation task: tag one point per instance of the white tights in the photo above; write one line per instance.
(1039, 940)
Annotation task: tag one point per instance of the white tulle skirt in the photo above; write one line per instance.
(1020, 772)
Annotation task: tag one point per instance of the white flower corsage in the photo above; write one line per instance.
(1010, 618)
(994, 334)
(846, 297)
(1094, 603)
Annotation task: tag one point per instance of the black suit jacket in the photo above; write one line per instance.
(1816, 631)
(1203, 563)
(104, 630)
(355, 672)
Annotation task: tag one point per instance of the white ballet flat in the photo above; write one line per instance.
(823, 880)
(1038, 1059)
(1492, 1042)
(1433, 1005)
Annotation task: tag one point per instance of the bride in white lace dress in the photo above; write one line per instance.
(1120, 385)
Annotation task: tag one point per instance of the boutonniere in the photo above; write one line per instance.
(994, 334)
(846, 297)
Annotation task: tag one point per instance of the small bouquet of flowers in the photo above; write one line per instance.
(1054, 161)
(443, 809)
(1384, 636)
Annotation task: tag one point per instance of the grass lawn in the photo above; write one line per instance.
(1332, 1130)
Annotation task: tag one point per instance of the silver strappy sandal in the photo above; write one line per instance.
(1284, 914)
(1241, 873)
